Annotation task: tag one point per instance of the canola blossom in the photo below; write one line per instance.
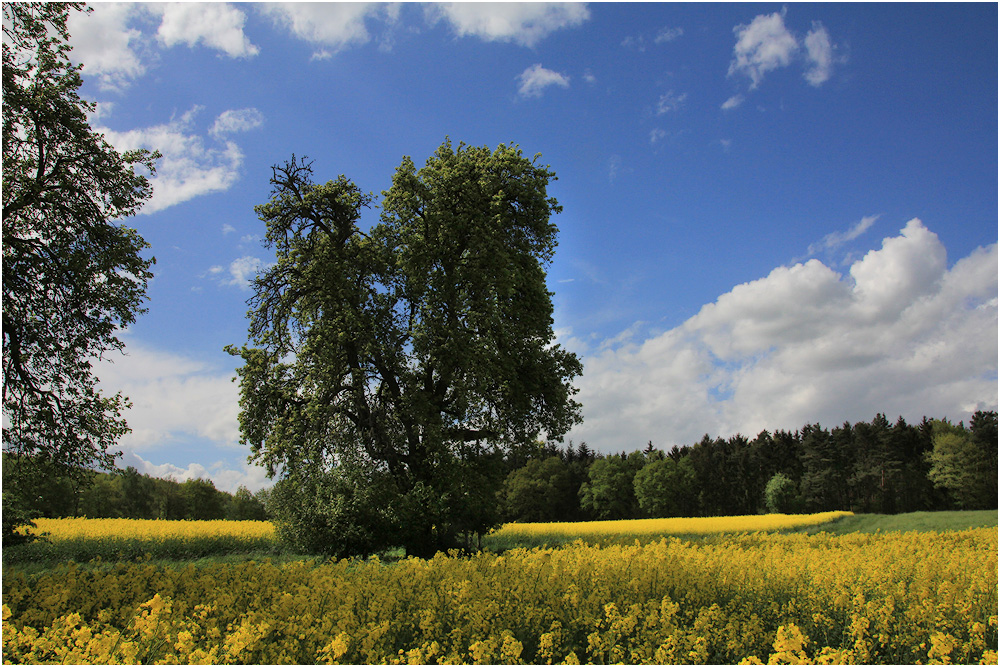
(83, 539)
(672, 526)
(150, 529)
(888, 598)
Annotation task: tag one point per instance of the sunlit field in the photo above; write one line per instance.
(540, 534)
(82, 539)
(757, 597)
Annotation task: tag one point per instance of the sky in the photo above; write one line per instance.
(773, 215)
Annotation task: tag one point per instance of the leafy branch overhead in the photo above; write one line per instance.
(72, 273)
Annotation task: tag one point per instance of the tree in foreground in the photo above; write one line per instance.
(72, 274)
(388, 369)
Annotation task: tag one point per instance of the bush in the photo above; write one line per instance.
(781, 495)
(334, 516)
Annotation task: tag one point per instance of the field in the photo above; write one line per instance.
(781, 597)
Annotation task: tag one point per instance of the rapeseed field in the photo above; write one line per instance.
(751, 597)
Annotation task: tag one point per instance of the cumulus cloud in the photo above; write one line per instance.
(766, 44)
(522, 23)
(535, 79)
(762, 45)
(216, 25)
(820, 56)
(189, 167)
(227, 475)
(901, 333)
(173, 398)
(330, 26)
(107, 45)
(111, 43)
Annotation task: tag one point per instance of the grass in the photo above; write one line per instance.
(912, 521)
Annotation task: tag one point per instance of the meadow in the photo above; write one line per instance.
(740, 594)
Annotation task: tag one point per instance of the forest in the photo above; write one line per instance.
(875, 466)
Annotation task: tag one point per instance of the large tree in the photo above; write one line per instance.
(407, 354)
(72, 273)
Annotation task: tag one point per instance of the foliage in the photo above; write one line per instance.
(327, 513)
(897, 598)
(781, 494)
(609, 493)
(542, 490)
(72, 274)
(965, 463)
(665, 487)
(420, 347)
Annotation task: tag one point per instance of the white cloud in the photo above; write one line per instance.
(243, 270)
(819, 51)
(236, 120)
(656, 134)
(226, 475)
(522, 23)
(216, 25)
(536, 79)
(228, 229)
(670, 101)
(111, 44)
(901, 334)
(173, 397)
(761, 46)
(732, 102)
(103, 41)
(189, 167)
(836, 239)
(331, 26)
(668, 35)
(766, 44)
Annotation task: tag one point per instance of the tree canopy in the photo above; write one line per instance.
(72, 273)
(407, 354)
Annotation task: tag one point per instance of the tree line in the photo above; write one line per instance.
(874, 466)
(40, 489)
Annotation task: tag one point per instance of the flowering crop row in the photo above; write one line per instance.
(151, 529)
(83, 539)
(646, 528)
(859, 598)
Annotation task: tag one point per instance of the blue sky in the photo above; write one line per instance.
(773, 214)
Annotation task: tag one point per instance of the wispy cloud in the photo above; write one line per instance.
(667, 34)
(236, 120)
(836, 239)
(535, 79)
(733, 102)
(670, 101)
